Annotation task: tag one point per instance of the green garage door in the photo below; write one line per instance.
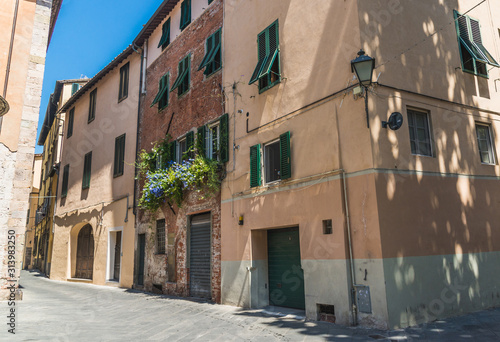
(286, 278)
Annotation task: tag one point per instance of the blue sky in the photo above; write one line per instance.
(87, 36)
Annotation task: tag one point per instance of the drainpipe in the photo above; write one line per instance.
(143, 57)
(9, 59)
(352, 283)
(351, 259)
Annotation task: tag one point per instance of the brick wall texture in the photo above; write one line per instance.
(200, 105)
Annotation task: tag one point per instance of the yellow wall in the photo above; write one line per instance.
(107, 204)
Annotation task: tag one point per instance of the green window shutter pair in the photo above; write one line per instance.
(285, 161)
(64, 188)
(223, 139)
(119, 156)
(268, 52)
(182, 81)
(185, 14)
(71, 118)
(212, 59)
(74, 88)
(210, 1)
(472, 51)
(87, 167)
(162, 96)
(165, 35)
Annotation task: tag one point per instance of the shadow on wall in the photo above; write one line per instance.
(438, 229)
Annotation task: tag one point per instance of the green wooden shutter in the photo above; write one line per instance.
(117, 157)
(87, 168)
(224, 138)
(74, 88)
(200, 142)
(71, 118)
(255, 173)
(64, 190)
(208, 51)
(185, 13)
(165, 36)
(190, 141)
(262, 55)
(172, 151)
(285, 156)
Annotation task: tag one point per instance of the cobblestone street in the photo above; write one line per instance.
(61, 311)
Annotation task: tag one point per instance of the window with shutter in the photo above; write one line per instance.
(74, 88)
(65, 179)
(212, 59)
(119, 156)
(285, 165)
(87, 167)
(123, 91)
(185, 14)
(474, 55)
(162, 96)
(255, 170)
(165, 35)
(268, 69)
(200, 140)
(190, 143)
(92, 105)
(71, 118)
(224, 138)
(183, 78)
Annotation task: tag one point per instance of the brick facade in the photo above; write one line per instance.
(200, 105)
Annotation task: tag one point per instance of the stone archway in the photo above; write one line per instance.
(85, 253)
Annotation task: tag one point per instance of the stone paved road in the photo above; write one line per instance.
(61, 311)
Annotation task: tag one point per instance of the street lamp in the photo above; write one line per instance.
(4, 106)
(363, 66)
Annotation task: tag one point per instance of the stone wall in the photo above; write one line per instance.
(16, 166)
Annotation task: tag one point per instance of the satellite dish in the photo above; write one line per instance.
(4, 106)
(395, 121)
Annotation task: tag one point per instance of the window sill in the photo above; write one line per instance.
(122, 99)
(118, 175)
(182, 95)
(475, 74)
(213, 73)
(269, 86)
(89, 121)
(488, 164)
(422, 155)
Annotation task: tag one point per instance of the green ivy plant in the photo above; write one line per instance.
(167, 181)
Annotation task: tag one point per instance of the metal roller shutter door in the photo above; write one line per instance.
(199, 256)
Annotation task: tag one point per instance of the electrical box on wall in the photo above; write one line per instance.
(363, 299)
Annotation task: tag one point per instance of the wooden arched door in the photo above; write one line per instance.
(85, 253)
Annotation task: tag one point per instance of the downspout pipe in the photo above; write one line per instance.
(136, 171)
(9, 58)
(11, 46)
